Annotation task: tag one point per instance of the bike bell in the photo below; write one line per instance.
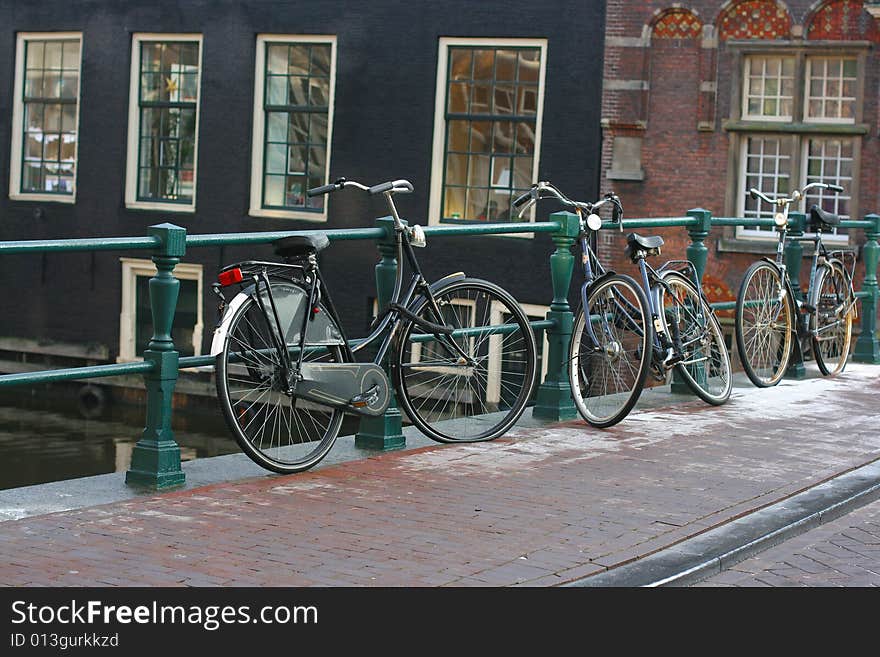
(779, 219)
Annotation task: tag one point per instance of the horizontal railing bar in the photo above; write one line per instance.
(73, 373)
(85, 244)
(224, 239)
(651, 222)
(492, 229)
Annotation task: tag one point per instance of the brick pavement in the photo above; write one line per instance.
(539, 507)
(844, 552)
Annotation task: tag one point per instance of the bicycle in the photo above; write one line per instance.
(773, 322)
(461, 351)
(663, 324)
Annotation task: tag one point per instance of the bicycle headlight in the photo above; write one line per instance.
(594, 221)
(779, 219)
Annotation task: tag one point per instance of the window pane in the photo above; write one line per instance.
(831, 89)
(50, 101)
(767, 168)
(494, 89)
(769, 87)
(830, 160)
(295, 141)
(169, 85)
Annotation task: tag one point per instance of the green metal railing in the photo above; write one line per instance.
(155, 460)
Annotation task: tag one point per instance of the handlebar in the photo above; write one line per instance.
(547, 190)
(392, 186)
(796, 195)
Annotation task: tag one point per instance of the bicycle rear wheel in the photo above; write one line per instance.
(706, 364)
(831, 322)
(276, 430)
(764, 324)
(476, 393)
(610, 356)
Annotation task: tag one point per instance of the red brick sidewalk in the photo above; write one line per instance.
(540, 507)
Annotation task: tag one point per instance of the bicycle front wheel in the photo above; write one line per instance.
(686, 316)
(764, 324)
(275, 429)
(610, 354)
(832, 319)
(473, 385)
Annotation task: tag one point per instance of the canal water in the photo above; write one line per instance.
(45, 437)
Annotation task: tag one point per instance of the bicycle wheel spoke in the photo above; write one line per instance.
(473, 385)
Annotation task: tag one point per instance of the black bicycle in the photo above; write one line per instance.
(461, 352)
(663, 324)
(773, 322)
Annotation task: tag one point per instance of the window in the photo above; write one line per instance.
(820, 141)
(769, 88)
(487, 127)
(293, 118)
(163, 122)
(45, 117)
(831, 94)
(495, 383)
(136, 320)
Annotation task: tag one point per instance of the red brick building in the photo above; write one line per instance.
(703, 100)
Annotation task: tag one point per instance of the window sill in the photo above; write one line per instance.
(735, 125)
(44, 198)
(314, 217)
(767, 246)
(161, 207)
(626, 175)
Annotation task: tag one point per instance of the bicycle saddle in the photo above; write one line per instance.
(300, 245)
(818, 215)
(638, 246)
(647, 243)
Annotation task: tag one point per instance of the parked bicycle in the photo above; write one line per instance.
(773, 322)
(663, 324)
(461, 352)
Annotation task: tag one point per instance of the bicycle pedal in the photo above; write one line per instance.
(672, 360)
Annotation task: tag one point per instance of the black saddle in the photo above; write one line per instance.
(818, 216)
(298, 246)
(636, 243)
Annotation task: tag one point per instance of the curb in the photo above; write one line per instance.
(711, 552)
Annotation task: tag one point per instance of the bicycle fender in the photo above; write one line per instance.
(223, 327)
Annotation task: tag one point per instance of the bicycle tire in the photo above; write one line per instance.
(249, 362)
(592, 360)
(764, 325)
(695, 339)
(481, 400)
(831, 296)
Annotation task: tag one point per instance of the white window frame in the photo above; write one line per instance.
(15, 192)
(134, 128)
(493, 381)
(259, 128)
(797, 176)
(131, 269)
(435, 206)
(807, 77)
(747, 83)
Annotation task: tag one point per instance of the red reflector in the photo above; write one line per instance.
(230, 276)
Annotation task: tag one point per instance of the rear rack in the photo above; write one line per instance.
(848, 257)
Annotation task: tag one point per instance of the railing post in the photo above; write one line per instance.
(794, 257)
(697, 255)
(553, 401)
(385, 432)
(867, 348)
(155, 460)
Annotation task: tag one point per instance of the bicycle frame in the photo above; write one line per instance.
(388, 322)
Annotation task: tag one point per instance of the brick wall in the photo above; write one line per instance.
(669, 79)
